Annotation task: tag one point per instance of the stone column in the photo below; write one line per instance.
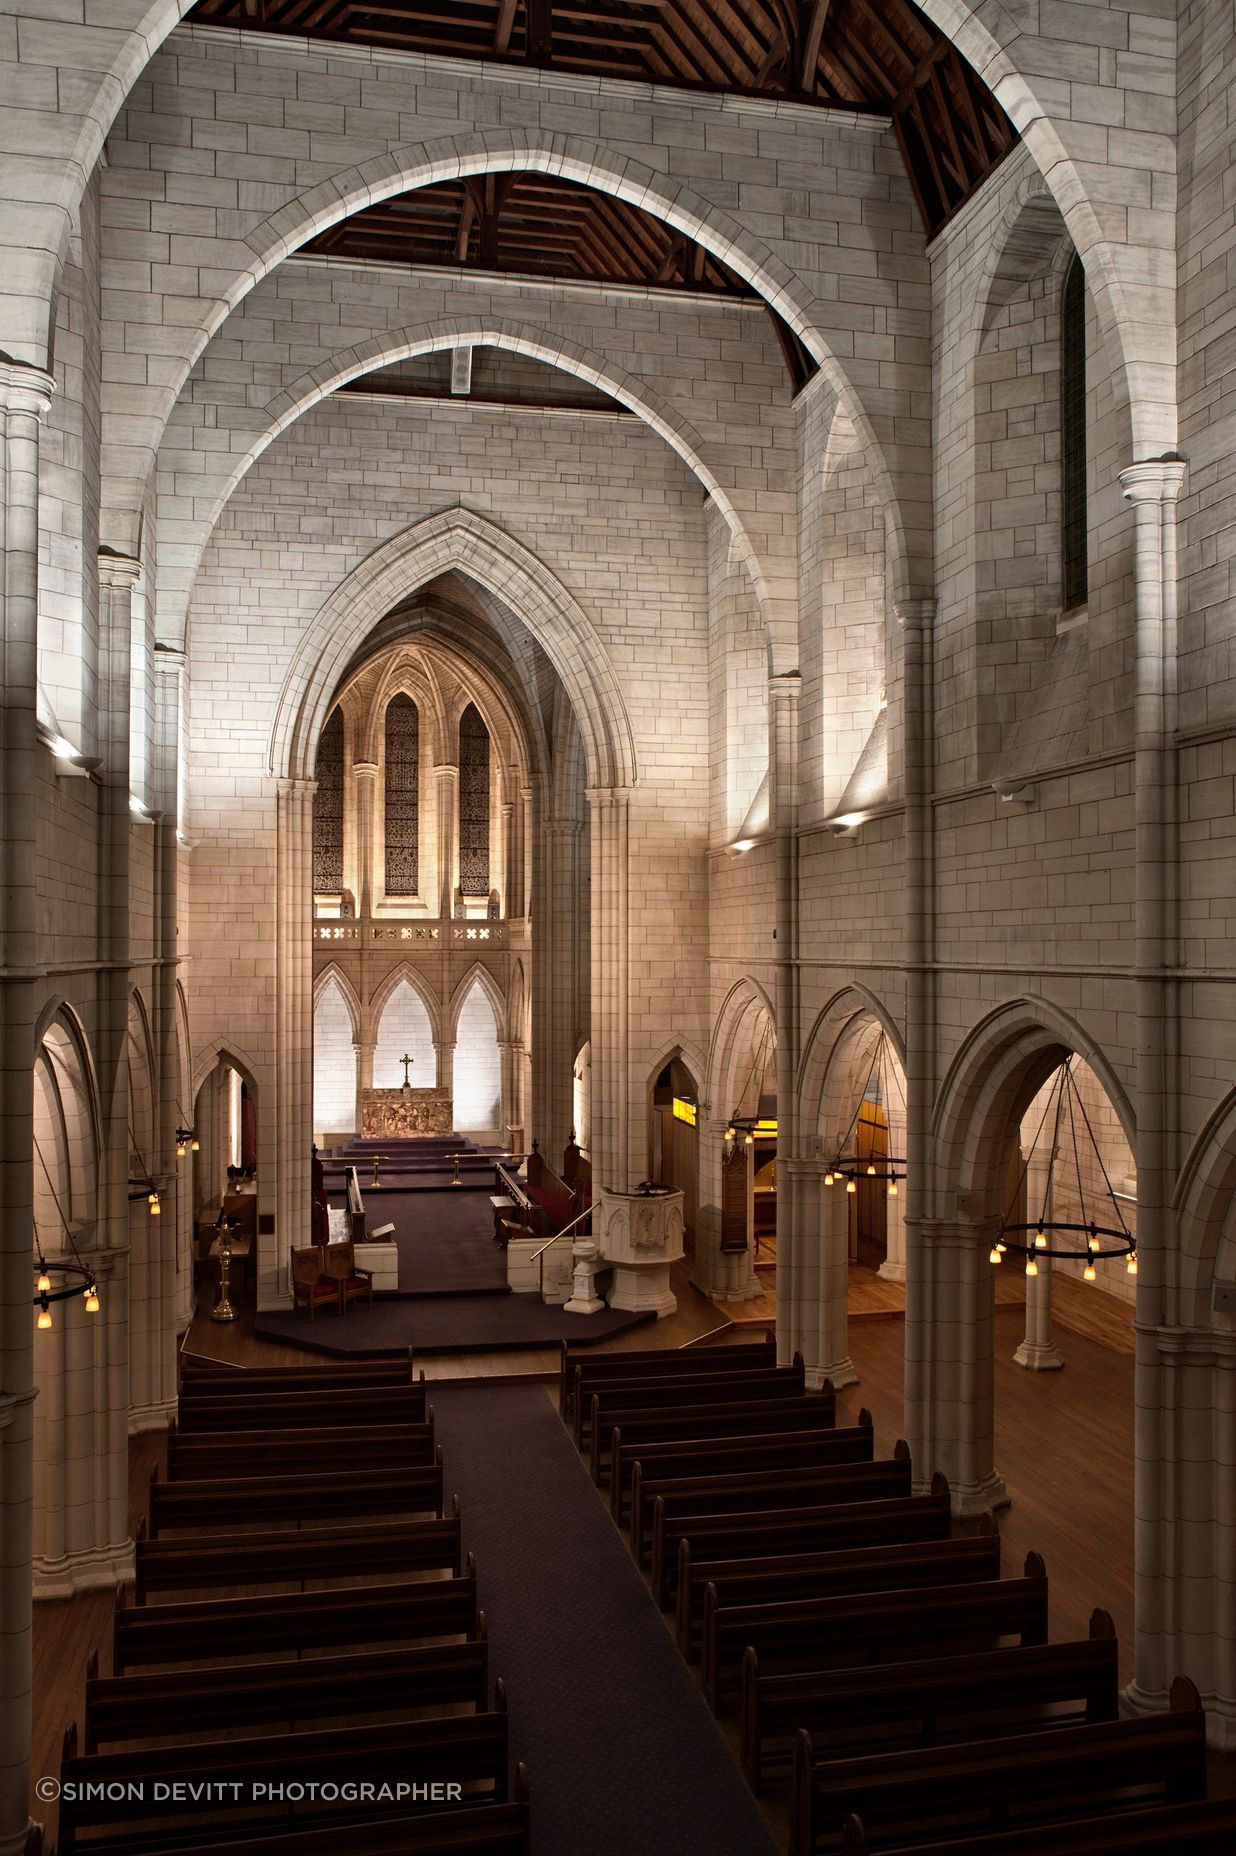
(957, 1298)
(25, 396)
(824, 1274)
(446, 779)
(1185, 1380)
(1038, 1352)
(444, 1052)
(500, 871)
(366, 776)
(893, 1268)
(724, 1276)
(364, 1047)
(527, 829)
(293, 1106)
(783, 695)
(618, 1158)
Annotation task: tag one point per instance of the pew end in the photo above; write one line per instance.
(1102, 1624)
(865, 1421)
(522, 1788)
(901, 1451)
(939, 1486)
(1183, 1697)
(853, 1837)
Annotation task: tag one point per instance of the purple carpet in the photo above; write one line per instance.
(623, 1754)
(445, 1241)
(442, 1324)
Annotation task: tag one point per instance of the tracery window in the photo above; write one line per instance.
(1073, 435)
(473, 804)
(402, 802)
(328, 811)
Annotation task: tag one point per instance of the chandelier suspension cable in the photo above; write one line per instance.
(151, 1194)
(759, 1061)
(881, 1167)
(864, 1096)
(1111, 1190)
(85, 1284)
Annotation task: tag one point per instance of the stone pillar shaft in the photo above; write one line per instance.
(783, 695)
(293, 1107)
(618, 1147)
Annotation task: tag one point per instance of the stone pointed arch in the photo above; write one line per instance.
(460, 540)
(689, 1053)
(1204, 1204)
(333, 975)
(222, 1050)
(743, 1010)
(477, 974)
(185, 540)
(852, 1003)
(382, 994)
(996, 1072)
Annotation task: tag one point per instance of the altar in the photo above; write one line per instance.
(405, 1114)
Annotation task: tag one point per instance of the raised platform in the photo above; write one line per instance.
(442, 1324)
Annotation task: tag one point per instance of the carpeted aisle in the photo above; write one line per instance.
(624, 1756)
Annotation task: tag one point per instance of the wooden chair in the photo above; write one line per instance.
(339, 1266)
(308, 1283)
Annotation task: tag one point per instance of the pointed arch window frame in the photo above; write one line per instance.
(401, 804)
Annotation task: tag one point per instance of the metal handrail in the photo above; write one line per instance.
(587, 1212)
(697, 1338)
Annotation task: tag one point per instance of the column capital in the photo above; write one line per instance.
(1158, 480)
(914, 611)
(446, 769)
(293, 786)
(607, 795)
(169, 659)
(787, 684)
(118, 570)
(24, 388)
(368, 769)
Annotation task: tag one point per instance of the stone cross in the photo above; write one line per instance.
(406, 1061)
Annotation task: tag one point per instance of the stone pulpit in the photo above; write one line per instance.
(640, 1235)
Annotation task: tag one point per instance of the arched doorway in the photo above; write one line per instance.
(673, 1139)
(478, 1068)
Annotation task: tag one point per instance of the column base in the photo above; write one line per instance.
(640, 1287)
(83, 1572)
(151, 1417)
(892, 1272)
(1039, 1357)
(842, 1374)
(1220, 1712)
(976, 1498)
(22, 1842)
(576, 1307)
(742, 1292)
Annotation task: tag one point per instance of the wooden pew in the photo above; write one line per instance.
(728, 1423)
(147, 1707)
(285, 1556)
(199, 1378)
(1204, 1828)
(584, 1363)
(676, 1544)
(462, 1830)
(296, 1500)
(778, 1405)
(853, 1443)
(1002, 1783)
(451, 1749)
(218, 1630)
(816, 1575)
(250, 1453)
(665, 1391)
(808, 1486)
(272, 1411)
(892, 1705)
(874, 1627)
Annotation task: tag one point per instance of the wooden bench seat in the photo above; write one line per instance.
(199, 1378)
(285, 1556)
(1204, 1828)
(272, 1411)
(677, 1543)
(776, 1407)
(266, 1624)
(1002, 1783)
(810, 1485)
(463, 1749)
(461, 1830)
(704, 1456)
(586, 1362)
(149, 1707)
(773, 1577)
(248, 1453)
(873, 1627)
(297, 1500)
(893, 1705)
(665, 1392)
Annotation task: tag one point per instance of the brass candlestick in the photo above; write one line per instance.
(377, 1160)
(223, 1310)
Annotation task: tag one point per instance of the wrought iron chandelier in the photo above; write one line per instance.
(1089, 1241)
(77, 1278)
(848, 1164)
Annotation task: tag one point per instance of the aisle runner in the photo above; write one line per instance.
(624, 1756)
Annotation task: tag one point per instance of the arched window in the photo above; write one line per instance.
(473, 804)
(328, 811)
(478, 1066)
(403, 789)
(405, 1030)
(334, 1062)
(1073, 435)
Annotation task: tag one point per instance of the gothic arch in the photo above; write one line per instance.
(996, 1072)
(63, 1049)
(831, 1030)
(461, 540)
(689, 1054)
(1204, 1204)
(744, 1012)
(333, 975)
(221, 1051)
(478, 974)
(382, 994)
